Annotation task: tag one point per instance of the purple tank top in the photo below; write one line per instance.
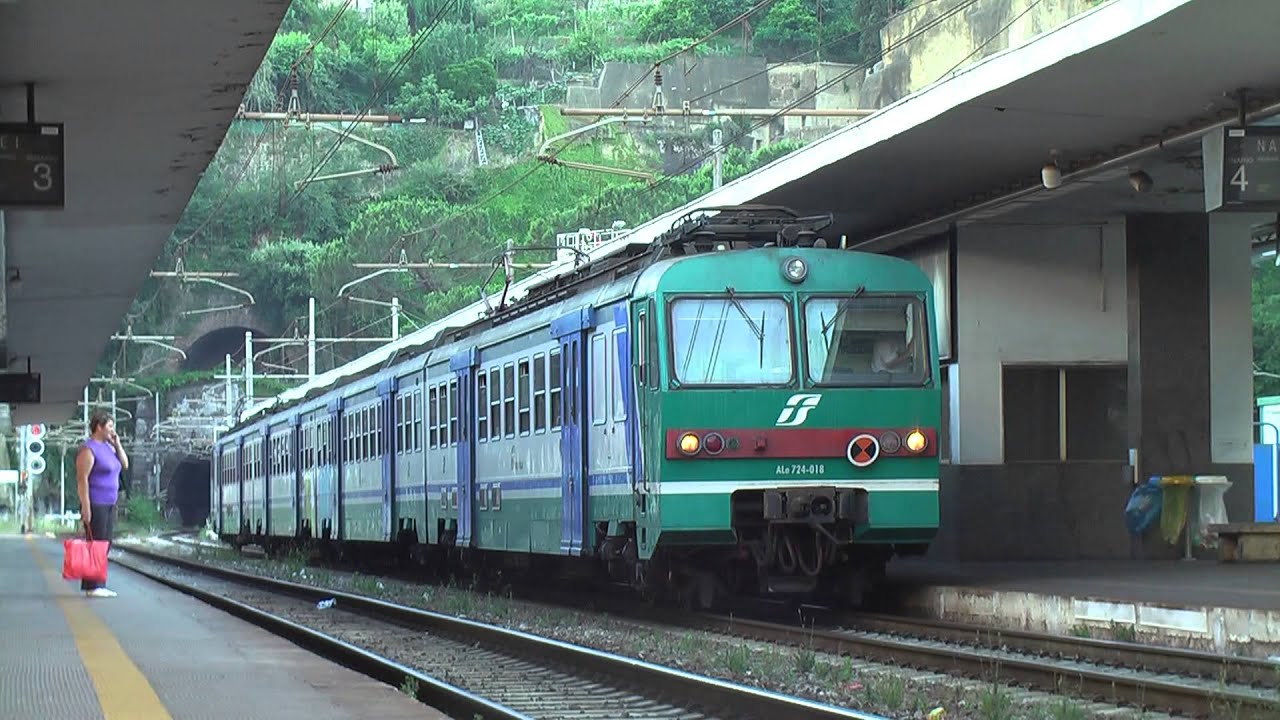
(104, 478)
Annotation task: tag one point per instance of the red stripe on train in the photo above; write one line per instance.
(794, 442)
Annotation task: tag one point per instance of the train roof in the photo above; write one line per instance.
(681, 232)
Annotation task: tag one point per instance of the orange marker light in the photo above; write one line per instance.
(916, 441)
(689, 444)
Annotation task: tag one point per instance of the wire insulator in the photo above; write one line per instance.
(657, 77)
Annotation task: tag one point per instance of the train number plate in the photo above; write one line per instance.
(801, 469)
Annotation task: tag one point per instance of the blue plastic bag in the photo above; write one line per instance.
(1143, 509)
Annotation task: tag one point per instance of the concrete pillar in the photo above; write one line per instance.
(1190, 349)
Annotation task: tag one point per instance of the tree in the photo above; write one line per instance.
(788, 29)
(677, 19)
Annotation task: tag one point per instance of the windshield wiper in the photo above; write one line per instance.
(758, 330)
(842, 307)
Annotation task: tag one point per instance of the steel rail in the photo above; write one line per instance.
(1151, 690)
(1152, 658)
(717, 697)
(450, 699)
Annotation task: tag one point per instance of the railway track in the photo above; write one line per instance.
(1183, 682)
(470, 669)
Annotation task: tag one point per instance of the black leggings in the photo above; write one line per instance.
(102, 523)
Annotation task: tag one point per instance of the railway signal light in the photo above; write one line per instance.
(35, 449)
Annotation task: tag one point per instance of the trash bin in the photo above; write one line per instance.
(1210, 508)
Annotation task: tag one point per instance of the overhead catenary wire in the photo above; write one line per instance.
(840, 77)
(378, 89)
(929, 25)
(623, 97)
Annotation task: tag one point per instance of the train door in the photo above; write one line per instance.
(648, 439)
(464, 367)
(571, 331)
(314, 444)
(298, 454)
(326, 492)
(385, 443)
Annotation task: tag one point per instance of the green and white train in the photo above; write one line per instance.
(734, 408)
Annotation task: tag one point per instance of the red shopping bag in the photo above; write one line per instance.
(85, 558)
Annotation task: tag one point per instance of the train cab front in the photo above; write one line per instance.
(816, 512)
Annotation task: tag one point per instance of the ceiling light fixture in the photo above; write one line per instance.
(1141, 181)
(1051, 174)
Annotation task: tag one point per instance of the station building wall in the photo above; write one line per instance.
(1073, 344)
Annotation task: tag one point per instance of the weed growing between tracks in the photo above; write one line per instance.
(899, 693)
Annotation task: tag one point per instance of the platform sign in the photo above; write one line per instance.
(32, 171)
(1242, 169)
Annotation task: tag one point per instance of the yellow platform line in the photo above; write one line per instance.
(123, 691)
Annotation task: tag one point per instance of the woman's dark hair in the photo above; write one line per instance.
(98, 419)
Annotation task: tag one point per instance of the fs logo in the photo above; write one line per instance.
(796, 411)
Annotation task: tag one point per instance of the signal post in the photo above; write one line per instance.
(31, 467)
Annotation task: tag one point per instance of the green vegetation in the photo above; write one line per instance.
(501, 63)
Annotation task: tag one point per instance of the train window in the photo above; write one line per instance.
(366, 434)
(495, 404)
(366, 417)
(433, 418)
(349, 437)
(482, 404)
(509, 399)
(866, 341)
(454, 401)
(651, 330)
(362, 427)
(731, 340)
(525, 401)
(379, 425)
(539, 393)
(418, 414)
(398, 420)
(642, 345)
(553, 399)
(599, 380)
(619, 404)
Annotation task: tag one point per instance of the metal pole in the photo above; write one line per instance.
(62, 480)
(248, 366)
(86, 411)
(113, 404)
(717, 169)
(311, 337)
(226, 401)
(395, 318)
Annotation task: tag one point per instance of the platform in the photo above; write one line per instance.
(1228, 608)
(155, 654)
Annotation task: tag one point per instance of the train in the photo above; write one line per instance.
(738, 407)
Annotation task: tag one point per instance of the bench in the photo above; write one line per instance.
(1248, 542)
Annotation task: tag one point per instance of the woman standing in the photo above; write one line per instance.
(98, 466)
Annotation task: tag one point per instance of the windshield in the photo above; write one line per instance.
(731, 340)
(860, 340)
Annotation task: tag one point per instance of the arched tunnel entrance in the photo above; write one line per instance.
(189, 491)
(210, 350)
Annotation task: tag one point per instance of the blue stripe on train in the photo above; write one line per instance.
(552, 482)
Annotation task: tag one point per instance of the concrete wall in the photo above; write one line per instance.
(962, 38)
(679, 82)
(1028, 295)
(1169, 296)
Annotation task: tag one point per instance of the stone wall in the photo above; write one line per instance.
(912, 63)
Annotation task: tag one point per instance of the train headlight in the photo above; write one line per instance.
(891, 442)
(714, 443)
(916, 441)
(690, 444)
(795, 269)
